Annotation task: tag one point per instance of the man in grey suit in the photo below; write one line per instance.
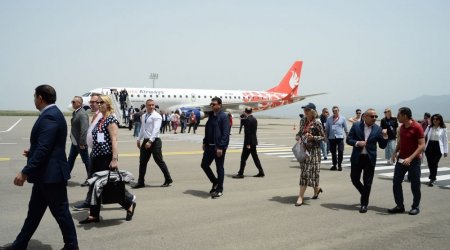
(78, 133)
(48, 170)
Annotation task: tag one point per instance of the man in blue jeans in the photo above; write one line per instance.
(407, 155)
(215, 143)
(336, 129)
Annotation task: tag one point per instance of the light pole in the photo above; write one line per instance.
(153, 76)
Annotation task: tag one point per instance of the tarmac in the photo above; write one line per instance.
(253, 213)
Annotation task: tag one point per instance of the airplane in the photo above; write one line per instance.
(198, 100)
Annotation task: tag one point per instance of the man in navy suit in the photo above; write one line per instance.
(48, 170)
(364, 136)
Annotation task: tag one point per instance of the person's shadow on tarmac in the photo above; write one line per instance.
(354, 207)
(198, 193)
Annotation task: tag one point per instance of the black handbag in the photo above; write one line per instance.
(114, 190)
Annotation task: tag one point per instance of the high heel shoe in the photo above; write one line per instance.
(317, 195)
(298, 204)
(131, 213)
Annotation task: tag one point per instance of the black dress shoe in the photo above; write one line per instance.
(317, 195)
(339, 168)
(430, 183)
(69, 248)
(138, 185)
(8, 246)
(167, 183)
(333, 168)
(396, 210)
(414, 211)
(89, 220)
(298, 204)
(363, 209)
(130, 214)
(213, 189)
(216, 195)
(238, 176)
(259, 175)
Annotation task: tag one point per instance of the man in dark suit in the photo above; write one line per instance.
(48, 170)
(78, 133)
(250, 142)
(364, 136)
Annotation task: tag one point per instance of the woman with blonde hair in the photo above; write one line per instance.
(104, 156)
(310, 133)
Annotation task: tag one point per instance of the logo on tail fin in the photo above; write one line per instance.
(290, 82)
(293, 82)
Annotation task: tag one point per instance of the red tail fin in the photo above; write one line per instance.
(290, 82)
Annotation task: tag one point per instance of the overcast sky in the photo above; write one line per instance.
(359, 52)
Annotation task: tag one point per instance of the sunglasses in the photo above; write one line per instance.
(101, 102)
(373, 116)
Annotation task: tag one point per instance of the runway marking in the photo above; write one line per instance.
(196, 152)
(11, 126)
(279, 153)
(422, 171)
(5, 158)
(285, 152)
(385, 168)
(285, 156)
(438, 178)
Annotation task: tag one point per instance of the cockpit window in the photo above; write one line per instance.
(87, 94)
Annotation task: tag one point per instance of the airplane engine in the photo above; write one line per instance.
(198, 113)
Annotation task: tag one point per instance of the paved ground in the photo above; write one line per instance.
(254, 213)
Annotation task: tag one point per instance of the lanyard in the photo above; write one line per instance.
(335, 119)
(307, 127)
(100, 124)
(147, 115)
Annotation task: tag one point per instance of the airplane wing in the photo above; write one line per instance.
(238, 106)
(302, 97)
(225, 106)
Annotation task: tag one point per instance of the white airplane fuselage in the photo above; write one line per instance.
(172, 99)
(198, 100)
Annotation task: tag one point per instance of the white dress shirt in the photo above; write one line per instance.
(367, 131)
(89, 140)
(150, 125)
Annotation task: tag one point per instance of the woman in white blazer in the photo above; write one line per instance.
(436, 145)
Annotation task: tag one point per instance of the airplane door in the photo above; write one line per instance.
(193, 98)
